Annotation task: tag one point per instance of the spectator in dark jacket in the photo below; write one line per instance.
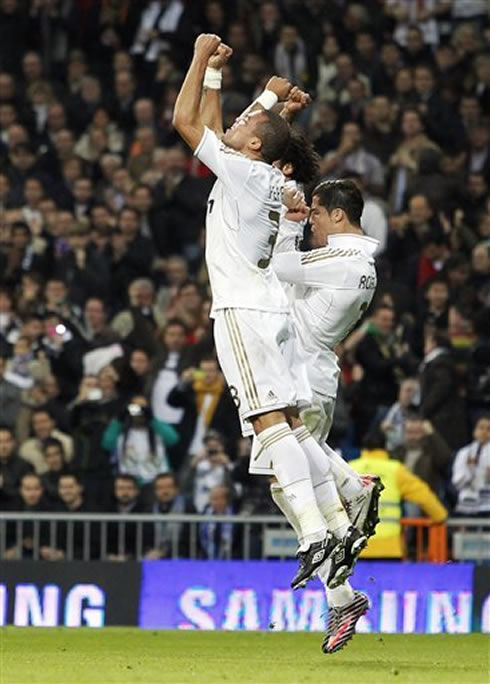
(12, 467)
(169, 539)
(122, 537)
(31, 541)
(440, 400)
(385, 361)
(424, 452)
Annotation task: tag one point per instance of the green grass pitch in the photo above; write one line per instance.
(76, 656)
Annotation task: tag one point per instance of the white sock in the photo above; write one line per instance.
(323, 483)
(339, 596)
(284, 506)
(347, 481)
(291, 469)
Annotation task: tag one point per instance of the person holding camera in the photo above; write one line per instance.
(138, 441)
(393, 424)
(211, 468)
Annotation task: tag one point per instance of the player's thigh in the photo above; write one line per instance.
(318, 417)
(248, 347)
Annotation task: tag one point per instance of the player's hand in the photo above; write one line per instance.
(298, 214)
(280, 86)
(292, 198)
(220, 57)
(297, 101)
(206, 45)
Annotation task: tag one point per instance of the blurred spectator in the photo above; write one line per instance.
(9, 396)
(211, 467)
(169, 537)
(384, 360)
(54, 457)
(290, 58)
(440, 399)
(401, 486)
(207, 404)
(424, 452)
(31, 500)
(393, 424)
(72, 497)
(44, 427)
(126, 500)
(218, 539)
(351, 155)
(471, 472)
(138, 441)
(12, 468)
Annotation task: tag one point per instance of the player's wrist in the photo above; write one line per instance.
(212, 78)
(267, 99)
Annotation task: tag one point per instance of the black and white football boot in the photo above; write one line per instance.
(343, 559)
(311, 559)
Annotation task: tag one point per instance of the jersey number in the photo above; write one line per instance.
(210, 206)
(274, 218)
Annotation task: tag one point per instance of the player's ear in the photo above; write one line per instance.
(337, 215)
(255, 143)
(288, 169)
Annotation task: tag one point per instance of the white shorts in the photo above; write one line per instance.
(256, 353)
(322, 372)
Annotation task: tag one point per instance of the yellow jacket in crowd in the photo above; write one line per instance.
(400, 484)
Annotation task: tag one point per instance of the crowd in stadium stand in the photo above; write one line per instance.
(111, 398)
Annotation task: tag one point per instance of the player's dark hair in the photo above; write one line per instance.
(274, 133)
(341, 194)
(301, 154)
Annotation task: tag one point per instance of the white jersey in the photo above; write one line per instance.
(242, 223)
(334, 286)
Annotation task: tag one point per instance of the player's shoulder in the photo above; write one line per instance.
(330, 254)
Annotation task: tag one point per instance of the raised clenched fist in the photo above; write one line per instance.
(220, 57)
(280, 86)
(206, 45)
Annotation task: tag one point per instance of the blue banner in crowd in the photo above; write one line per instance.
(237, 595)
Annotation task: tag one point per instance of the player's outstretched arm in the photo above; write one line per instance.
(275, 91)
(187, 115)
(211, 115)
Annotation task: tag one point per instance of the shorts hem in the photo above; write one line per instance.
(254, 413)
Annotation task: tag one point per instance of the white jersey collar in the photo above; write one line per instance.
(362, 242)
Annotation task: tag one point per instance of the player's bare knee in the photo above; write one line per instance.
(267, 420)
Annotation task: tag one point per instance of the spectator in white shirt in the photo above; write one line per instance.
(471, 472)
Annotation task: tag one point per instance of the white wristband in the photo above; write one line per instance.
(267, 99)
(212, 78)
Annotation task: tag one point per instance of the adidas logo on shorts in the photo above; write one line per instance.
(271, 396)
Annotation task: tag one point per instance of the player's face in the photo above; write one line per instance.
(321, 223)
(243, 131)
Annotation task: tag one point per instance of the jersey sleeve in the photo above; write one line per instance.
(230, 168)
(312, 269)
(289, 236)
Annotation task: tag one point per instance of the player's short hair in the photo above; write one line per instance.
(274, 133)
(301, 154)
(341, 194)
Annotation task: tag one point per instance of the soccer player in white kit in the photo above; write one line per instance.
(253, 330)
(334, 285)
